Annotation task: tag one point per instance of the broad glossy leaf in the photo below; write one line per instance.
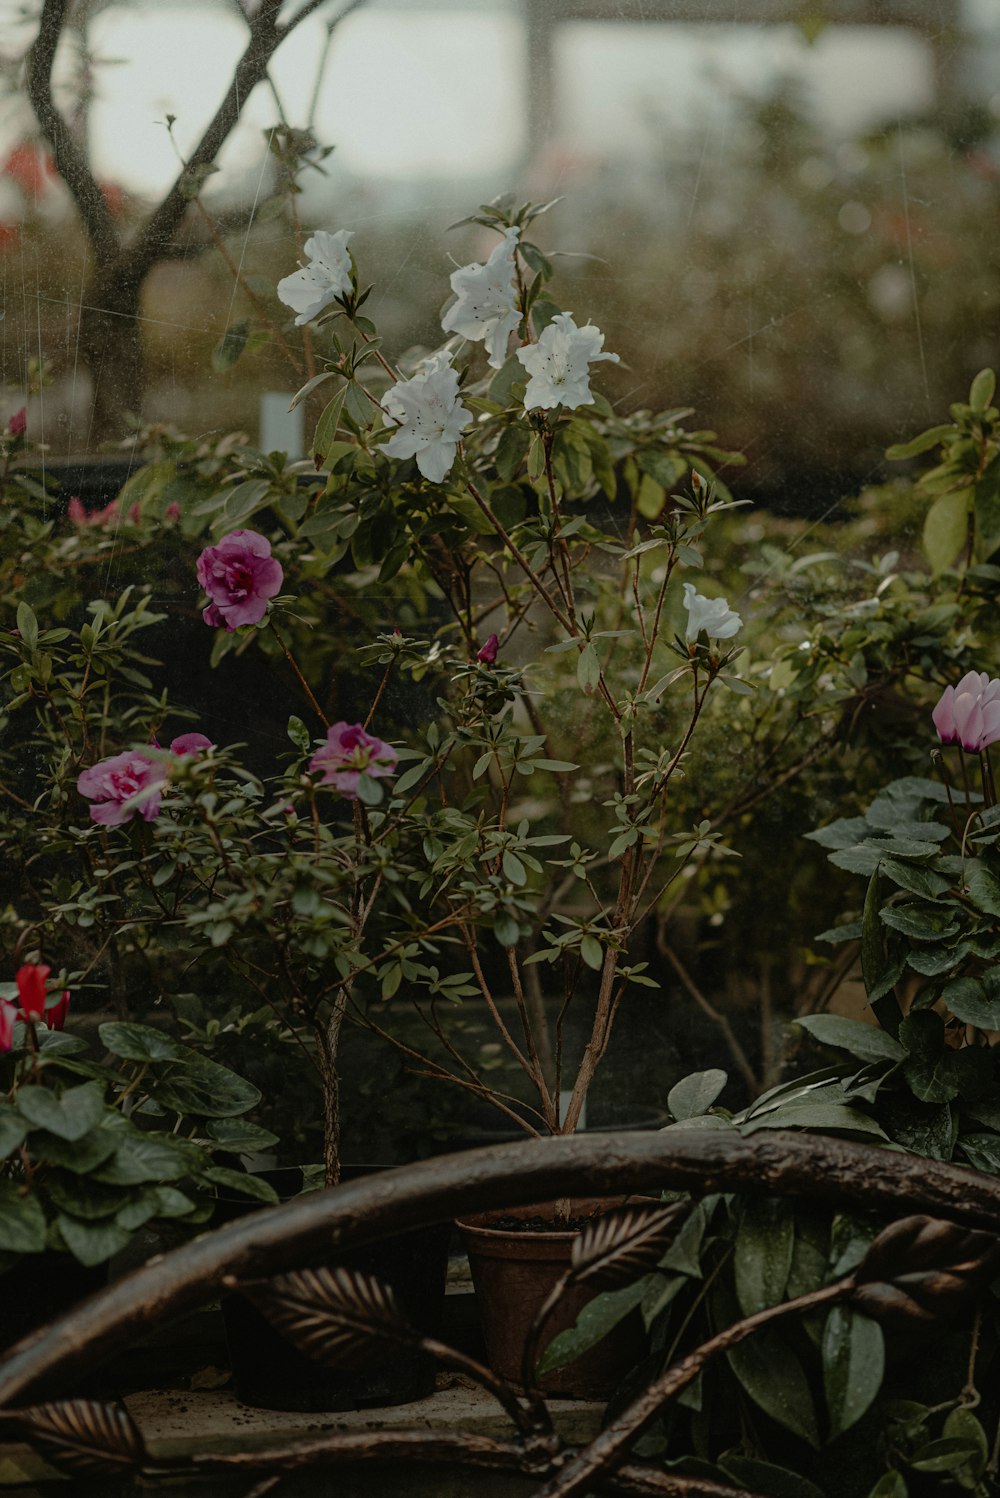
(853, 1351)
(22, 1221)
(134, 1042)
(592, 1325)
(69, 1116)
(867, 1042)
(763, 1253)
(695, 1094)
(774, 1378)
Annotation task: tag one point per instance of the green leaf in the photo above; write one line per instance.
(230, 346)
(513, 868)
(242, 1182)
(921, 444)
(986, 507)
(204, 1088)
(853, 1366)
(962, 1425)
(764, 1477)
(695, 1094)
(763, 1253)
(981, 390)
(592, 952)
(512, 449)
(593, 1323)
(92, 1242)
(140, 1158)
(13, 1128)
(982, 1151)
(22, 1221)
(890, 1485)
(238, 1137)
(946, 529)
(27, 626)
(588, 669)
(968, 1000)
(949, 1454)
(299, 734)
(70, 1116)
(867, 1042)
(935, 1073)
(773, 1377)
(983, 886)
(243, 501)
(326, 428)
(134, 1042)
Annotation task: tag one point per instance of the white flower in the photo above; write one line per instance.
(713, 615)
(326, 277)
(485, 310)
(430, 415)
(559, 364)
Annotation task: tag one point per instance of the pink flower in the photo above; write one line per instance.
(239, 576)
(488, 654)
(173, 511)
(349, 753)
(30, 980)
(18, 424)
(111, 783)
(80, 515)
(969, 714)
(190, 743)
(8, 1014)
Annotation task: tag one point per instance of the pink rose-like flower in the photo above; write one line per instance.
(969, 714)
(8, 1014)
(111, 783)
(239, 576)
(31, 980)
(349, 753)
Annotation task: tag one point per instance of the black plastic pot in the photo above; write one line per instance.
(269, 1373)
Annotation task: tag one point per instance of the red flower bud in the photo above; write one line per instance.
(18, 423)
(30, 981)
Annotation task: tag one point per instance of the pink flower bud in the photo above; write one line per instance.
(18, 423)
(488, 654)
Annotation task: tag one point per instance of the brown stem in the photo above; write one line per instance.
(691, 988)
(289, 657)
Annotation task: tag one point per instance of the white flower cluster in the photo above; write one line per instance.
(427, 409)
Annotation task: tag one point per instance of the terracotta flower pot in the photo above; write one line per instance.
(514, 1270)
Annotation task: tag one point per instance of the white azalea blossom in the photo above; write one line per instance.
(559, 364)
(485, 311)
(713, 615)
(327, 276)
(431, 417)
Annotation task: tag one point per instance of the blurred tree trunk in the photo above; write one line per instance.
(111, 339)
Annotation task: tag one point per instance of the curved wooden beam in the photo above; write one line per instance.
(778, 1162)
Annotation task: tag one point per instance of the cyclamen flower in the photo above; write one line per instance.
(55, 1015)
(8, 1014)
(113, 782)
(31, 980)
(559, 364)
(713, 615)
(969, 714)
(327, 276)
(239, 576)
(430, 415)
(485, 311)
(349, 753)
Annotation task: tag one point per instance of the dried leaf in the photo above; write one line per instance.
(921, 1268)
(335, 1315)
(624, 1244)
(84, 1437)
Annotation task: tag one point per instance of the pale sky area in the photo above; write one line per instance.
(418, 92)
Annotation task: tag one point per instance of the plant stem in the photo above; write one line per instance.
(289, 657)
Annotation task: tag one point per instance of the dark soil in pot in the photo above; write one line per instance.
(269, 1373)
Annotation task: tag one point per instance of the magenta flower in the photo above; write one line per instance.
(111, 784)
(8, 1014)
(488, 654)
(969, 714)
(190, 743)
(18, 423)
(239, 576)
(349, 753)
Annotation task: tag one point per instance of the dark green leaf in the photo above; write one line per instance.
(592, 1324)
(203, 1088)
(771, 1374)
(763, 1253)
(134, 1042)
(230, 346)
(968, 1000)
(69, 1116)
(22, 1221)
(92, 1242)
(695, 1094)
(867, 1042)
(853, 1366)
